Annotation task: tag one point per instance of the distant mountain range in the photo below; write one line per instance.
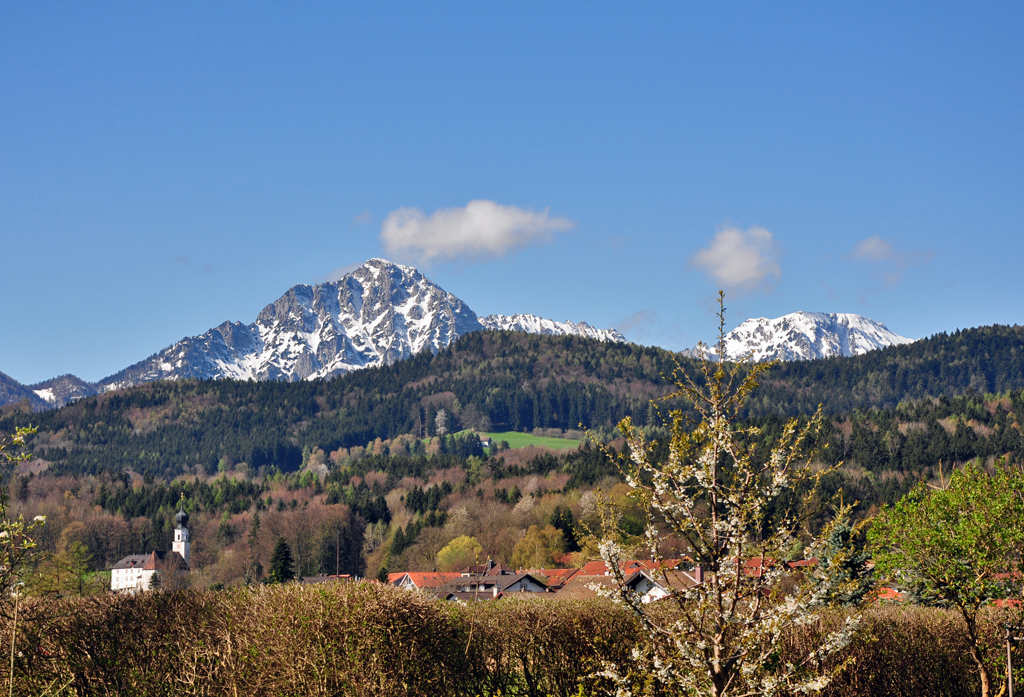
(384, 312)
(378, 314)
(803, 336)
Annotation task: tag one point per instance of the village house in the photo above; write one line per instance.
(490, 581)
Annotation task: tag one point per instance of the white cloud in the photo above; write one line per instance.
(483, 229)
(740, 259)
(890, 262)
(874, 249)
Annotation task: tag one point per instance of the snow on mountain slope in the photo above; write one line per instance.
(378, 314)
(532, 324)
(60, 390)
(808, 335)
(12, 391)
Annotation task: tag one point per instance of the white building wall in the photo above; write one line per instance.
(130, 579)
(182, 545)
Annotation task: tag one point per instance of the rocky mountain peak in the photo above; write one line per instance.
(808, 335)
(378, 313)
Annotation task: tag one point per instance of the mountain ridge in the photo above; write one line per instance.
(379, 313)
(808, 336)
(382, 312)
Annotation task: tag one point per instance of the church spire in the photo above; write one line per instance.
(182, 545)
(181, 518)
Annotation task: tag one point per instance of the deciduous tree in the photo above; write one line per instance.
(17, 543)
(539, 548)
(957, 546)
(461, 552)
(738, 500)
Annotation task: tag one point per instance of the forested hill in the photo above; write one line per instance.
(485, 380)
(983, 360)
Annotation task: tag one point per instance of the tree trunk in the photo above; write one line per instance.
(972, 634)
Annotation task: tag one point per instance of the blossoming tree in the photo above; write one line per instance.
(738, 502)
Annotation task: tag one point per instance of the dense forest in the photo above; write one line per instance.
(489, 381)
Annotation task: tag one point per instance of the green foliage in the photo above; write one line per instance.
(539, 548)
(562, 519)
(844, 562)
(460, 553)
(958, 546)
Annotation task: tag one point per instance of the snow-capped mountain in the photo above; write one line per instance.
(378, 314)
(60, 390)
(12, 391)
(808, 335)
(532, 324)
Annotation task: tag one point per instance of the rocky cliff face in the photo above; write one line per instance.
(383, 312)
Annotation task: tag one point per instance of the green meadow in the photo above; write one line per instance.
(522, 440)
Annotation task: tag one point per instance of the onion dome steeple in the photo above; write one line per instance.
(181, 517)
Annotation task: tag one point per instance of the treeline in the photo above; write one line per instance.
(489, 381)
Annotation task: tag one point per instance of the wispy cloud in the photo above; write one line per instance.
(637, 324)
(481, 230)
(362, 218)
(890, 264)
(336, 274)
(740, 259)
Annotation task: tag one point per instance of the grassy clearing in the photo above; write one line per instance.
(521, 440)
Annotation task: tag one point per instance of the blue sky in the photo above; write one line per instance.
(169, 167)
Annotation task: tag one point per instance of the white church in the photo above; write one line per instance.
(135, 572)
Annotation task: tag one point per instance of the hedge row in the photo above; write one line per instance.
(369, 639)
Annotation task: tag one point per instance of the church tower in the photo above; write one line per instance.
(181, 543)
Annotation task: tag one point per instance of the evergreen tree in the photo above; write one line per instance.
(282, 567)
(254, 569)
(844, 561)
(563, 519)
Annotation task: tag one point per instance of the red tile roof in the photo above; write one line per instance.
(600, 568)
(431, 579)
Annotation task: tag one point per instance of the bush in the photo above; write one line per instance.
(370, 639)
(327, 639)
